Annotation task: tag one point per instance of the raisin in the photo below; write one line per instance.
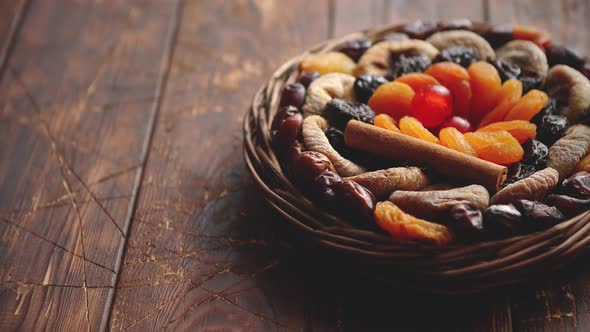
(393, 99)
(535, 153)
(530, 82)
(538, 215)
(506, 70)
(578, 184)
(419, 29)
(549, 108)
(306, 78)
(498, 35)
(365, 86)
(336, 138)
(568, 205)
(550, 128)
(339, 112)
(502, 220)
(518, 171)
(460, 55)
(557, 54)
(285, 128)
(354, 202)
(293, 95)
(404, 64)
(356, 48)
(465, 219)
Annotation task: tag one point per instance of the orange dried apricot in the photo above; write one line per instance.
(527, 106)
(417, 81)
(583, 165)
(497, 146)
(519, 129)
(386, 122)
(485, 86)
(330, 62)
(509, 94)
(405, 227)
(393, 98)
(456, 79)
(412, 127)
(538, 36)
(453, 139)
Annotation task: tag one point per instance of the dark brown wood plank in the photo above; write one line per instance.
(77, 96)
(201, 253)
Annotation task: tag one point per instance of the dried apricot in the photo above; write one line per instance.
(497, 146)
(393, 98)
(453, 139)
(456, 79)
(330, 62)
(583, 165)
(519, 129)
(527, 106)
(417, 81)
(509, 94)
(405, 227)
(537, 36)
(412, 127)
(485, 86)
(386, 122)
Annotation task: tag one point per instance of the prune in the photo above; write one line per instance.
(336, 138)
(461, 55)
(354, 201)
(465, 219)
(285, 128)
(356, 48)
(308, 165)
(339, 112)
(568, 205)
(365, 86)
(506, 70)
(502, 220)
(404, 64)
(549, 108)
(321, 190)
(550, 128)
(557, 54)
(498, 35)
(578, 184)
(538, 215)
(530, 82)
(585, 69)
(419, 29)
(306, 78)
(457, 24)
(535, 153)
(519, 171)
(293, 95)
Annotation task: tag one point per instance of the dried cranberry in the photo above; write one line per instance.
(550, 128)
(356, 48)
(306, 78)
(457, 24)
(502, 220)
(539, 215)
(519, 171)
(535, 153)
(578, 184)
(568, 205)
(557, 54)
(293, 95)
(285, 128)
(339, 112)
(354, 202)
(505, 70)
(465, 219)
(309, 165)
(365, 86)
(498, 35)
(405, 64)
(461, 55)
(419, 29)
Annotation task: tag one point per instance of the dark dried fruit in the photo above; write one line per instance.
(339, 112)
(557, 54)
(309, 165)
(585, 69)
(550, 128)
(354, 202)
(290, 156)
(306, 78)
(568, 205)
(465, 219)
(404, 64)
(461, 55)
(419, 29)
(285, 128)
(535, 153)
(538, 215)
(457, 24)
(365, 86)
(549, 108)
(518, 171)
(502, 220)
(356, 48)
(293, 95)
(321, 189)
(530, 82)
(498, 35)
(506, 70)
(336, 138)
(578, 184)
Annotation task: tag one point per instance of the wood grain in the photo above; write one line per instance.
(77, 97)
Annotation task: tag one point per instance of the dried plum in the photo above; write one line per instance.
(578, 184)
(365, 86)
(354, 202)
(557, 54)
(568, 205)
(465, 219)
(505, 69)
(502, 220)
(518, 171)
(549, 108)
(538, 215)
(535, 153)
(339, 112)
(461, 55)
(306, 78)
(550, 128)
(530, 82)
(419, 29)
(498, 35)
(356, 48)
(404, 64)
(293, 95)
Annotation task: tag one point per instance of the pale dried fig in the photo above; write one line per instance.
(565, 154)
(325, 88)
(383, 182)
(532, 188)
(526, 55)
(568, 85)
(376, 60)
(314, 139)
(453, 38)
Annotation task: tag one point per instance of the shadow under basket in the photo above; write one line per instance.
(454, 269)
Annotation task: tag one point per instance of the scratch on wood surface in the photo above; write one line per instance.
(48, 308)
(47, 275)
(21, 294)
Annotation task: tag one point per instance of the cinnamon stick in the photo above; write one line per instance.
(366, 137)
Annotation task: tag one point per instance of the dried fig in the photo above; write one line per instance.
(569, 150)
(376, 60)
(446, 39)
(526, 55)
(533, 188)
(569, 86)
(325, 88)
(382, 182)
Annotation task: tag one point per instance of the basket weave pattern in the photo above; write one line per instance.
(459, 268)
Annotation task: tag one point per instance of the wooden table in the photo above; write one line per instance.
(124, 201)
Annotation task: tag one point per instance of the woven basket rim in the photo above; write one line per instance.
(475, 267)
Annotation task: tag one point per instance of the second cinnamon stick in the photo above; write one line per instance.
(366, 137)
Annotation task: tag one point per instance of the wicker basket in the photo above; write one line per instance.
(460, 268)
